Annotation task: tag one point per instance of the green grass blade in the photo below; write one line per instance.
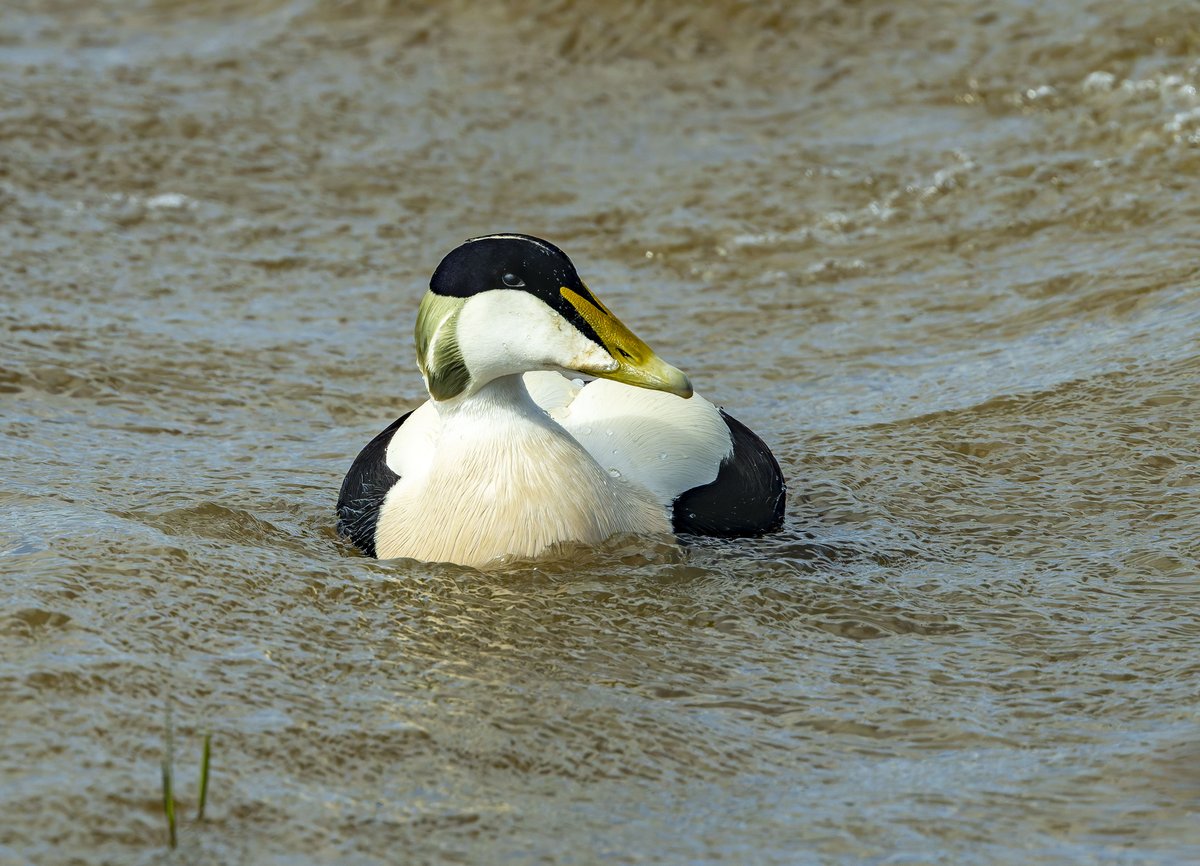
(204, 759)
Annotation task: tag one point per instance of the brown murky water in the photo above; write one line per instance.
(942, 256)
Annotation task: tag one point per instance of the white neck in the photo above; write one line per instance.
(505, 397)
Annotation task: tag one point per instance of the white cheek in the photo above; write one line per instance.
(504, 332)
(590, 357)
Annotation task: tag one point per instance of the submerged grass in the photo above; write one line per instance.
(168, 780)
(204, 759)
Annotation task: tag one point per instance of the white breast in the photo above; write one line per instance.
(496, 476)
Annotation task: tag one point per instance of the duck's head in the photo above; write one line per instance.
(505, 304)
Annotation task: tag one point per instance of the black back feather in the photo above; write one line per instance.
(746, 498)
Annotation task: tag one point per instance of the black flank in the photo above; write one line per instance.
(364, 489)
(746, 497)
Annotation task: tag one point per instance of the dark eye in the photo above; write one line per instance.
(512, 281)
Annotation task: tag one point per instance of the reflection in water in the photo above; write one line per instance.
(937, 258)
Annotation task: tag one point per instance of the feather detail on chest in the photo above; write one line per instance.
(496, 475)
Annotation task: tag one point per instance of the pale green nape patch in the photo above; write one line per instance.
(438, 354)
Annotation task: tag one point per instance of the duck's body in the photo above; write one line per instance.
(509, 460)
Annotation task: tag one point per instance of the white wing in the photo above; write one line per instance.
(664, 443)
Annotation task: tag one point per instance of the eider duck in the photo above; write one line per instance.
(509, 456)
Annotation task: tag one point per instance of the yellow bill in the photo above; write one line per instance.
(636, 362)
